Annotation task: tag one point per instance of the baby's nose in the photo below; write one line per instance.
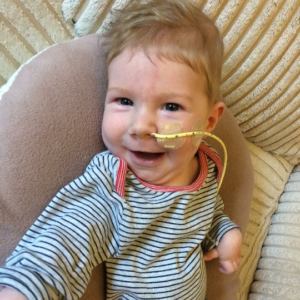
(142, 125)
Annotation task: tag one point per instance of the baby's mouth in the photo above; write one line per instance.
(147, 155)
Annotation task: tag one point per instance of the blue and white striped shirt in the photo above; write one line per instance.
(151, 237)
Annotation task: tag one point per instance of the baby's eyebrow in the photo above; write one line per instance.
(118, 89)
(173, 95)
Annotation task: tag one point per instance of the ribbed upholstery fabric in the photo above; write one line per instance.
(271, 174)
(26, 28)
(278, 272)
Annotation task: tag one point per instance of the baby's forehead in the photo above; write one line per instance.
(135, 65)
(151, 55)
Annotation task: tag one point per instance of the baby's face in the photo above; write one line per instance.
(143, 95)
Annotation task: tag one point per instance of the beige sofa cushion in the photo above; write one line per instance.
(279, 267)
(271, 173)
(28, 27)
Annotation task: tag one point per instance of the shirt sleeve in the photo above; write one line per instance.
(76, 232)
(220, 225)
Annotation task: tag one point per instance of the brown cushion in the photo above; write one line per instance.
(50, 128)
(236, 192)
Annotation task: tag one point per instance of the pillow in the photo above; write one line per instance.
(271, 173)
(236, 192)
(50, 128)
(279, 266)
(28, 27)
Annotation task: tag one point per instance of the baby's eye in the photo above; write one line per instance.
(125, 101)
(172, 107)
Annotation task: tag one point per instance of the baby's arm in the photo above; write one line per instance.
(57, 254)
(229, 250)
(11, 294)
(226, 246)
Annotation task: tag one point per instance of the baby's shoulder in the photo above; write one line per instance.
(106, 162)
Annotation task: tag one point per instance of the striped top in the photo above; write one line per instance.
(151, 237)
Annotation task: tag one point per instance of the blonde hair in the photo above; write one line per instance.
(173, 29)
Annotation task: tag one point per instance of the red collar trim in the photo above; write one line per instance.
(121, 178)
(203, 152)
(189, 188)
(216, 159)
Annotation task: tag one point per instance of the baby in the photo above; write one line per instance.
(148, 212)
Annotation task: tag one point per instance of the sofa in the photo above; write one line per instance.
(261, 90)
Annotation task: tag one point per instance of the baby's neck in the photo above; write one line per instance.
(193, 171)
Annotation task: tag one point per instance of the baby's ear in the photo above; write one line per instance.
(215, 113)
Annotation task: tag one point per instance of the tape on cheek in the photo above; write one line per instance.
(174, 142)
(173, 128)
(171, 143)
